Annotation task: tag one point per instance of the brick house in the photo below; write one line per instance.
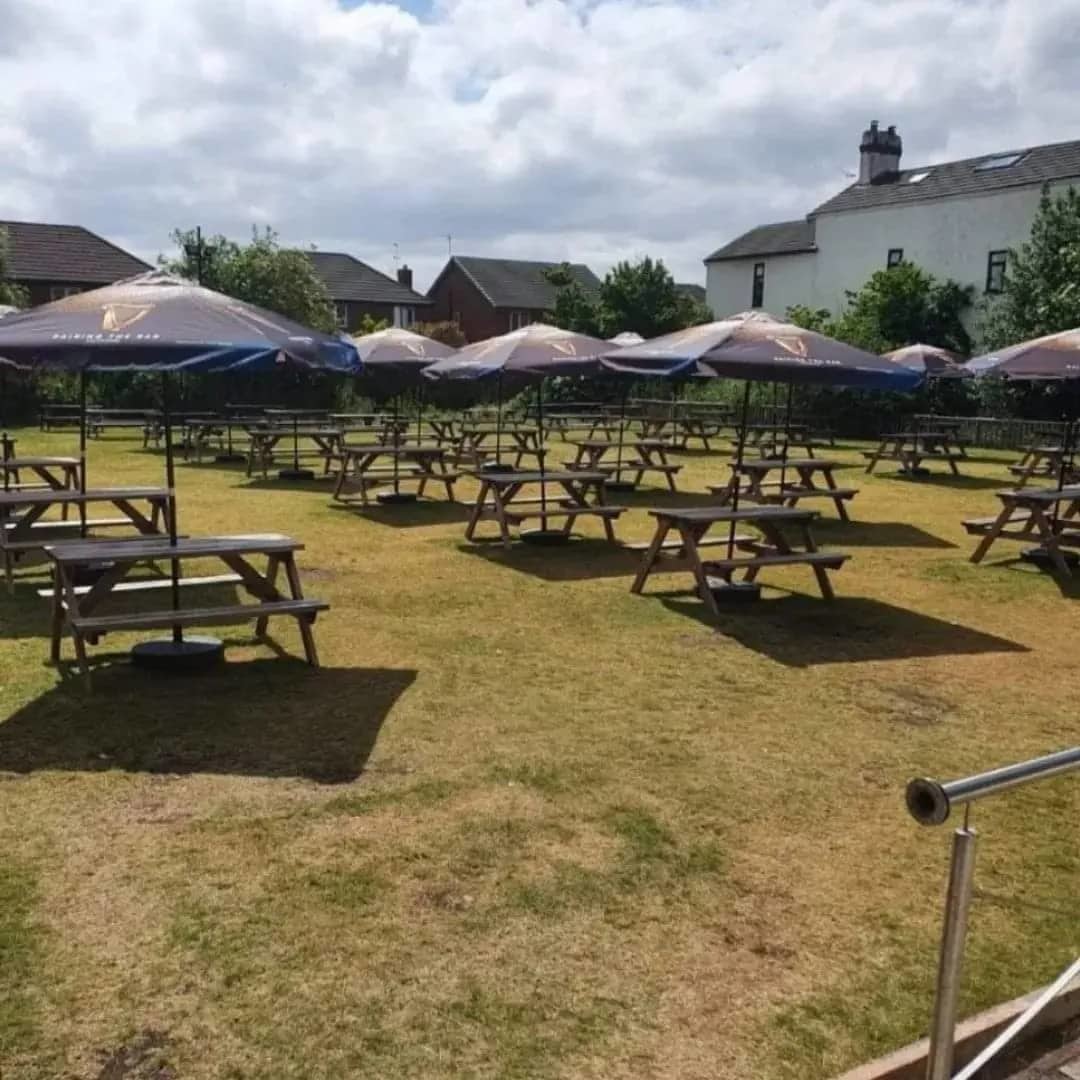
(358, 290)
(486, 297)
(53, 261)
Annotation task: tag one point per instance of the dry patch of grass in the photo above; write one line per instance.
(524, 824)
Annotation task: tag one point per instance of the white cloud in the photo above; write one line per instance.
(540, 128)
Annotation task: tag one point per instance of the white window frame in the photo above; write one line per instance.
(341, 314)
(520, 319)
(404, 316)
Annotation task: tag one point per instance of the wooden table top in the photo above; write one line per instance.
(1039, 495)
(768, 464)
(159, 547)
(912, 435)
(38, 497)
(393, 450)
(284, 430)
(601, 444)
(701, 514)
(557, 476)
(30, 462)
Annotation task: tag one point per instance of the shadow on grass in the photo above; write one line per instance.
(425, 511)
(938, 479)
(262, 718)
(580, 559)
(320, 485)
(803, 631)
(1069, 586)
(833, 533)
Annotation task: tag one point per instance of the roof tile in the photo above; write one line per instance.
(347, 278)
(520, 283)
(65, 253)
(780, 238)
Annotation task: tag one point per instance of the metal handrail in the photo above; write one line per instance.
(1057, 987)
(930, 802)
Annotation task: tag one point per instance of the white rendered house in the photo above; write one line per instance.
(956, 219)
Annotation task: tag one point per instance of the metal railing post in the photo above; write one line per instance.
(957, 904)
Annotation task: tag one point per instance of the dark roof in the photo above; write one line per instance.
(347, 278)
(40, 252)
(1036, 166)
(780, 238)
(518, 283)
(691, 289)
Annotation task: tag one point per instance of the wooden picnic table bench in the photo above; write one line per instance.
(802, 485)
(76, 610)
(645, 455)
(100, 420)
(911, 449)
(774, 548)
(24, 527)
(51, 473)
(579, 493)
(360, 471)
(55, 414)
(679, 430)
(263, 442)
(1047, 517)
(1042, 461)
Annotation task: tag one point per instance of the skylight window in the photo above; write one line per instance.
(1000, 161)
(919, 177)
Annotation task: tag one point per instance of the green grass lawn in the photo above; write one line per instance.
(523, 824)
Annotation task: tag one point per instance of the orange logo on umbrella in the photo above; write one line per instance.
(120, 316)
(794, 345)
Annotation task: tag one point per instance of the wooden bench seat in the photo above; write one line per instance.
(151, 584)
(516, 517)
(550, 501)
(677, 545)
(212, 616)
(829, 559)
(816, 492)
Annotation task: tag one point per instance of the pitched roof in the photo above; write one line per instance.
(518, 283)
(780, 238)
(347, 278)
(65, 253)
(1036, 165)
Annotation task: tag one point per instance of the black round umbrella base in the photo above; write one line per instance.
(545, 537)
(190, 655)
(495, 466)
(736, 592)
(1040, 557)
(396, 498)
(918, 472)
(229, 459)
(88, 573)
(296, 474)
(620, 485)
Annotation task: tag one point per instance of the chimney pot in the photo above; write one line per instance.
(879, 154)
(404, 276)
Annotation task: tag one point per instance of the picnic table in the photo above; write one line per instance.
(679, 430)
(523, 441)
(99, 420)
(805, 473)
(1028, 514)
(361, 469)
(56, 414)
(52, 473)
(263, 442)
(651, 456)
(771, 440)
(154, 430)
(911, 448)
(24, 526)
(578, 493)
(76, 609)
(772, 548)
(1043, 461)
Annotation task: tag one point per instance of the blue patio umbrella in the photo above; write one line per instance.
(757, 347)
(160, 322)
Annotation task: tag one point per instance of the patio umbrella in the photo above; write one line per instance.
(1051, 358)
(627, 337)
(394, 360)
(159, 322)
(518, 359)
(755, 346)
(931, 361)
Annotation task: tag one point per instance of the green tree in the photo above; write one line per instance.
(370, 324)
(10, 293)
(639, 297)
(1041, 293)
(449, 333)
(259, 272)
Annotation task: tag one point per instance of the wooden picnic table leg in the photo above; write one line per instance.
(1051, 541)
(830, 483)
(477, 510)
(71, 600)
(57, 621)
(875, 456)
(822, 575)
(273, 565)
(304, 621)
(992, 534)
(499, 504)
(690, 538)
(663, 527)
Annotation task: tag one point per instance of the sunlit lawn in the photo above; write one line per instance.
(522, 823)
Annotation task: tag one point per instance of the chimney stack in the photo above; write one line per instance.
(404, 276)
(879, 154)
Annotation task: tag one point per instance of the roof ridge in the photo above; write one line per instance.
(468, 273)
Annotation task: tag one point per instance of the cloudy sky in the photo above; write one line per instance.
(584, 129)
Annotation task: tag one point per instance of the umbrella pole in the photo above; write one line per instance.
(540, 447)
(170, 483)
(498, 422)
(739, 448)
(82, 450)
(396, 441)
(419, 413)
(787, 439)
(3, 426)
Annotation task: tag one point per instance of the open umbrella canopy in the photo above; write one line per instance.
(159, 322)
(1054, 356)
(756, 346)
(627, 337)
(394, 359)
(932, 361)
(523, 356)
(6, 310)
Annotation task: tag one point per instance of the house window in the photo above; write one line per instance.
(520, 319)
(757, 299)
(404, 316)
(58, 292)
(895, 257)
(995, 271)
(341, 313)
(999, 161)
